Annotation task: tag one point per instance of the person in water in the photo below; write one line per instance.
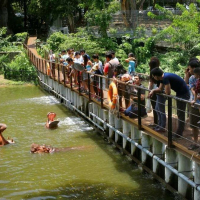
(3, 141)
(36, 148)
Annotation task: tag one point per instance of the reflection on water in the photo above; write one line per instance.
(96, 172)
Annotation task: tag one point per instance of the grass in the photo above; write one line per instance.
(4, 82)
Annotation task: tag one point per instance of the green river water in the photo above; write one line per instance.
(97, 172)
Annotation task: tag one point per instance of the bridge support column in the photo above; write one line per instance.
(90, 108)
(95, 112)
(184, 167)
(171, 159)
(146, 142)
(118, 126)
(126, 131)
(158, 150)
(74, 99)
(105, 118)
(135, 136)
(112, 123)
(197, 181)
(81, 103)
(100, 115)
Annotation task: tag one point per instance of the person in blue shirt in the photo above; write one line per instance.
(132, 64)
(170, 81)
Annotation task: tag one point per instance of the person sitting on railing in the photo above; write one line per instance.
(132, 110)
(172, 81)
(132, 64)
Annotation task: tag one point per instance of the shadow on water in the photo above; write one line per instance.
(85, 190)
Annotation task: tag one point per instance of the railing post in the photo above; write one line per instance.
(139, 109)
(101, 89)
(70, 78)
(79, 83)
(89, 86)
(64, 74)
(58, 72)
(169, 122)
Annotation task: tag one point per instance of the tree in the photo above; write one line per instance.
(184, 28)
(3, 13)
(99, 13)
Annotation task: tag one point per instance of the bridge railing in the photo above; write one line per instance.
(176, 128)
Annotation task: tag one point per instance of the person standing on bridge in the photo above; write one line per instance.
(194, 111)
(172, 81)
(52, 58)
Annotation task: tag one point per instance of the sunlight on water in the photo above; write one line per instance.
(97, 171)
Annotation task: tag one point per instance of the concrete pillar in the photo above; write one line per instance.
(112, 123)
(85, 105)
(95, 111)
(81, 103)
(126, 131)
(90, 107)
(118, 126)
(100, 115)
(135, 136)
(197, 180)
(184, 167)
(67, 97)
(158, 150)
(171, 159)
(105, 118)
(146, 142)
(74, 99)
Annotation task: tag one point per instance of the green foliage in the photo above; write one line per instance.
(11, 43)
(101, 14)
(55, 40)
(21, 61)
(20, 37)
(184, 28)
(143, 53)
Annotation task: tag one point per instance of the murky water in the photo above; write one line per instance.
(97, 172)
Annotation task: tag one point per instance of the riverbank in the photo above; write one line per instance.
(6, 82)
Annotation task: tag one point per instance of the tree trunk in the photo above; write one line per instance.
(128, 7)
(71, 23)
(3, 13)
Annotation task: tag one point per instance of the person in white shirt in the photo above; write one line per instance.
(113, 56)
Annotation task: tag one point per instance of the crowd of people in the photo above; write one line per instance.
(187, 88)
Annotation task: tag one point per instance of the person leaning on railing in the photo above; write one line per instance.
(132, 110)
(172, 81)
